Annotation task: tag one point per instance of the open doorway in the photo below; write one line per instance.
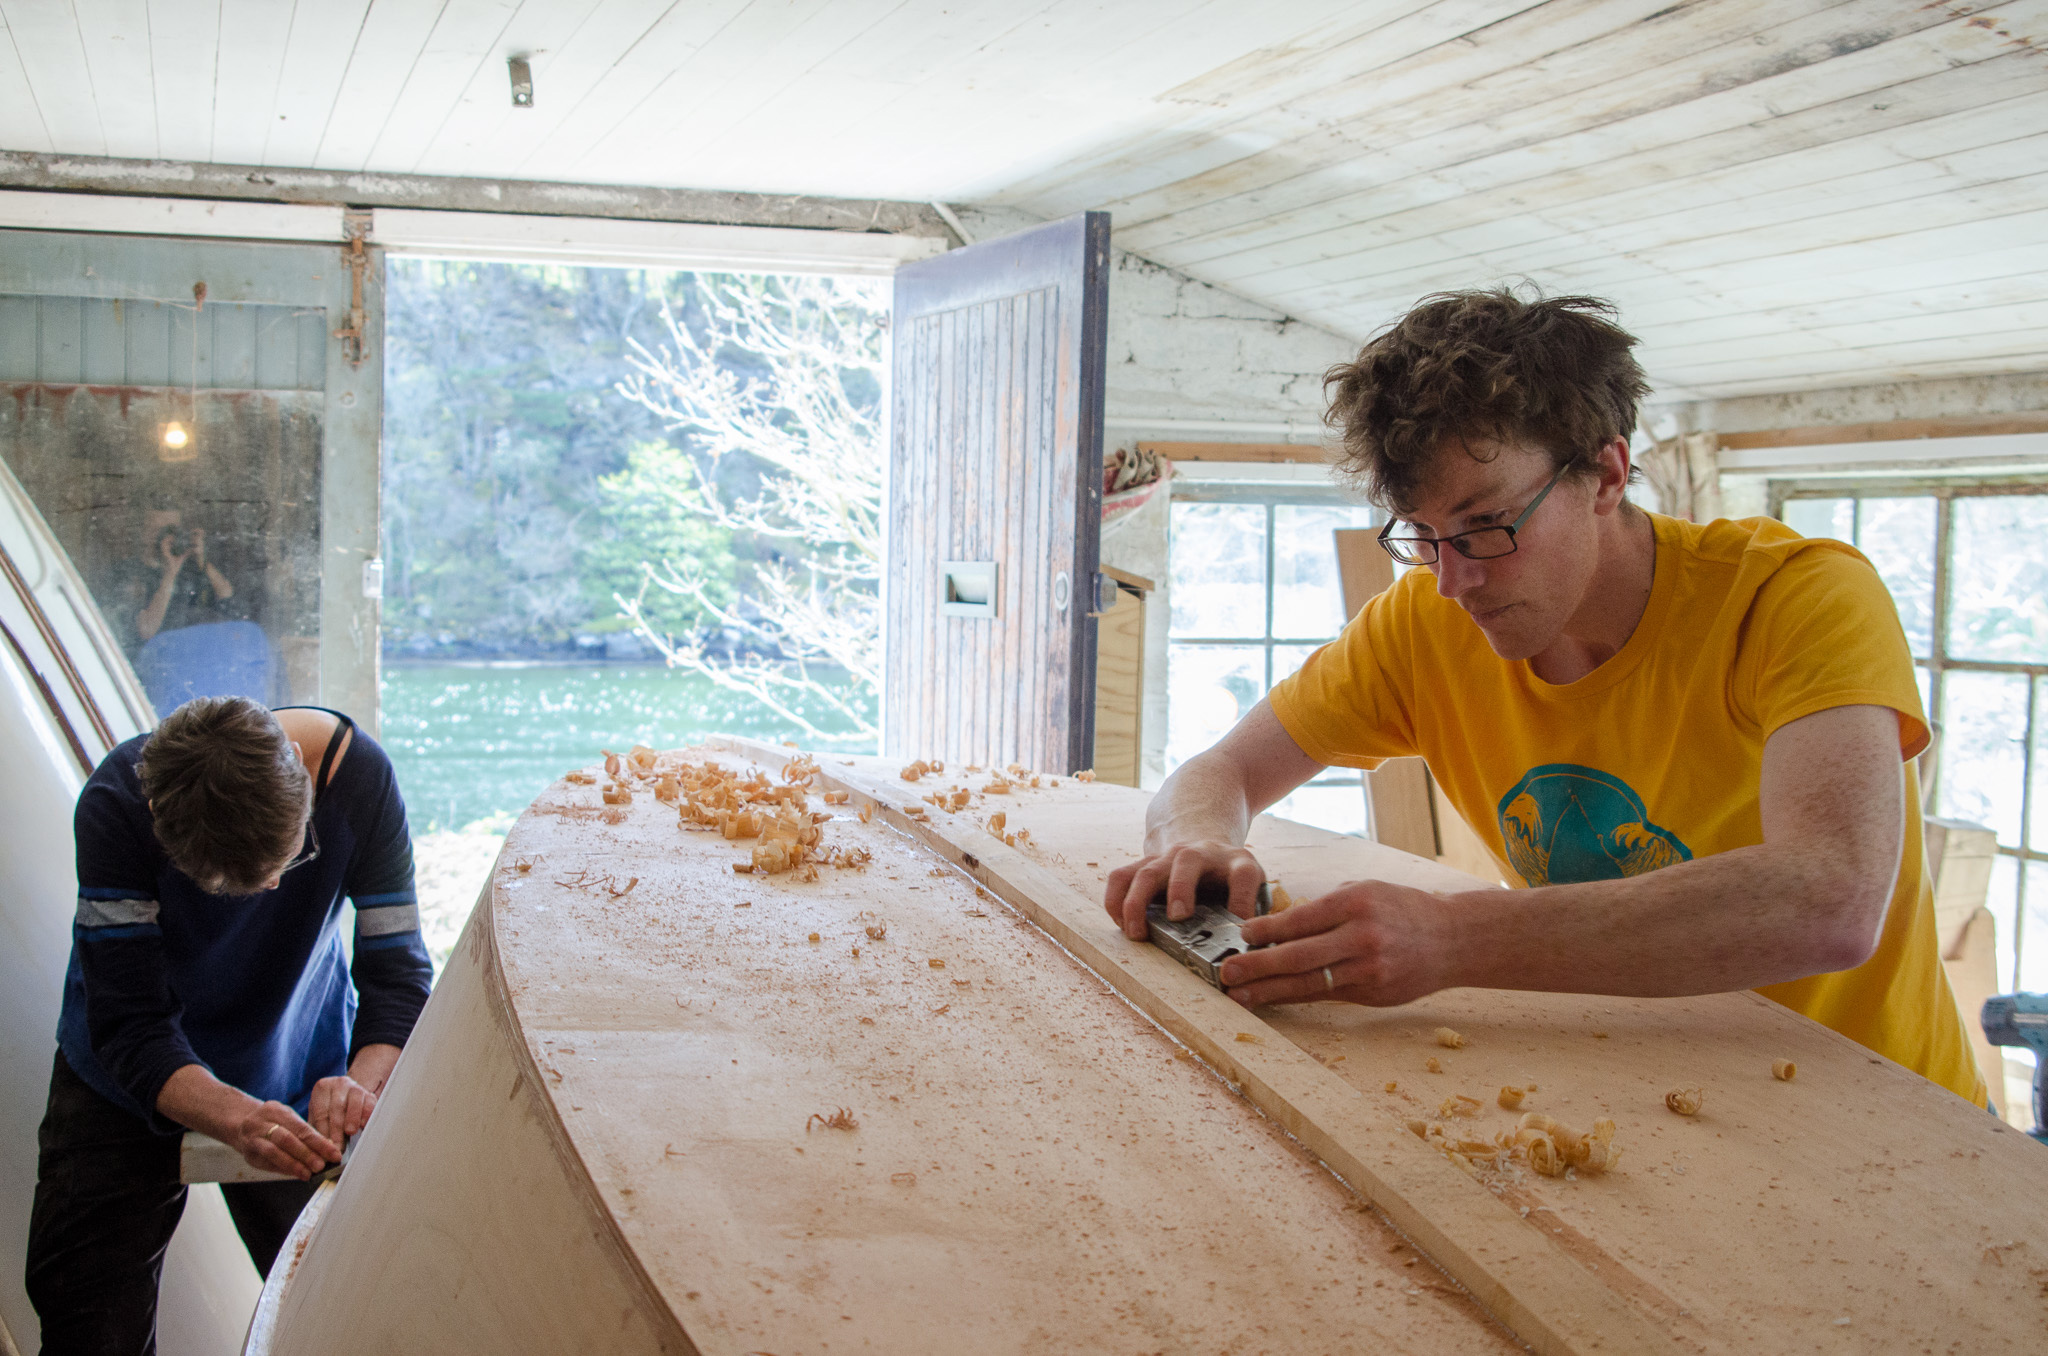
(619, 506)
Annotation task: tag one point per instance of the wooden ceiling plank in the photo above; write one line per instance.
(1960, 86)
(309, 75)
(59, 78)
(1616, 262)
(254, 35)
(1250, 102)
(1745, 122)
(184, 53)
(724, 97)
(2026, 344)
(1721, 72)
(463, 42)
(1426, 92)
(1853, 337)
(484, 133)
(18, 111)
(1758, 195)
(115, 36)
(387, 48)
(635, 80)
(1697, 323)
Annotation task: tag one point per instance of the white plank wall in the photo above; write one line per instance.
(1780, 193)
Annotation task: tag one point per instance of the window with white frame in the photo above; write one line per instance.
(1255, 592)
(1968, 566)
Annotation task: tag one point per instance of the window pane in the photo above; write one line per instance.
(1821, 517)
(1924, 677)
(1308, 602)
(2001, 899)
(1340, 809)
(1208, 690)
(2037, 831)
(1288, 658)
(1218, 566)
(2033, 938)
(1985, 721)
(2000, 589)
(1898, 536)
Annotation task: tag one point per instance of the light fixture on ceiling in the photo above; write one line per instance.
(522, 82)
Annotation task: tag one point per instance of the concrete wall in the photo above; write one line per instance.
(1188, 362)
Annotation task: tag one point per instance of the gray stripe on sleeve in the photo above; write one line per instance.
(381, 922)
(115, 913)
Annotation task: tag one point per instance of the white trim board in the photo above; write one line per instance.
(1993, 454)
(598, 241)
(645, 244)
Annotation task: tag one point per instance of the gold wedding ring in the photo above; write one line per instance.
(271, 1133)
(1329, 980)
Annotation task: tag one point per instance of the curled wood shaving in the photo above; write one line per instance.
(1459, 1105)
(1433, 1064)
(837, 797)
(1449, 1039)
(1784, 1070)
(936, 964)
(1086, 774)
(1511, 1097)
(611, 763)
(915, 770)
(1282, 901)
(1684, 1101)
(578, 778)
(840, 1119)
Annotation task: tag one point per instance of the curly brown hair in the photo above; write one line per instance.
(1488, 364)
(227, 793)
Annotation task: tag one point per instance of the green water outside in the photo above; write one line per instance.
(476, 742)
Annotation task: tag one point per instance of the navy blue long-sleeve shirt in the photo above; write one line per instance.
(257, 989)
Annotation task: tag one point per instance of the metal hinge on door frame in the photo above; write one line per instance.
(355, 228)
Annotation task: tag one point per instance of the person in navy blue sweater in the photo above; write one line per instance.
(208, 989)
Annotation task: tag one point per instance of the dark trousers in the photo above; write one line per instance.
(107, 1201)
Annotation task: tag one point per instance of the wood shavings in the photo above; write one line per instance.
(1684, 1101)
(867, 811)
(1086, 774)
(1449, 1039)
(615, 815)
(618, 793)
(840, 1119)
(904, 1179)
(838, 797)
(916, 770)
(1594, 1152)
(997, 786)
(1418, 1127)
(1248, 1038)
(936, 964)
(1784, 1070)
(523, 866)
(641, 760)
(1511, 1097)
(1282, 901)
(578, 778)
(1393, 1087)
(876, 931)
(815, 939)
(619, 892)
(1459, 1105)
(995, 822)
(941, 1008)
(668, 790)
(1433, 1064)
(611, 763)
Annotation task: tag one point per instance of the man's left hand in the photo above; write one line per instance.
(1365, 942)
(341, 1105)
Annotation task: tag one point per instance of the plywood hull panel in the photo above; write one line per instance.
(466, 1212)
(656, 1106)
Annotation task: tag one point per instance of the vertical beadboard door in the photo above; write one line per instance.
(995, 460)
(106, 340)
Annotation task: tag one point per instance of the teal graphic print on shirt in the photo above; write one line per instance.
(1563, 823)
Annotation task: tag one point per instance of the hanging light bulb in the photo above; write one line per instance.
(177, 443)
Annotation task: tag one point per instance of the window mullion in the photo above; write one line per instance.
(1937, 640)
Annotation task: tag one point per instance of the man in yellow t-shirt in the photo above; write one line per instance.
(1692, 744)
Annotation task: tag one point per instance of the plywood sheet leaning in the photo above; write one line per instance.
(657, 1106)
(1857, 1207)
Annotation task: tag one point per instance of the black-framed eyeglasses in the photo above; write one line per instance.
(1481, 543)
(311, 850)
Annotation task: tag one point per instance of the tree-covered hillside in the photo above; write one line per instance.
(522, 489)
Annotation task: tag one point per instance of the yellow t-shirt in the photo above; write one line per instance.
(1656, 756)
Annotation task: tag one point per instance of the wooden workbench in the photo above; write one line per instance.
(603, 1134)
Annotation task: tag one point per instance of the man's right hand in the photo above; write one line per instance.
(273, 1137)
(1175, 873)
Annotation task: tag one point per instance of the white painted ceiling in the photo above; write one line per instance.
(1781, 194)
